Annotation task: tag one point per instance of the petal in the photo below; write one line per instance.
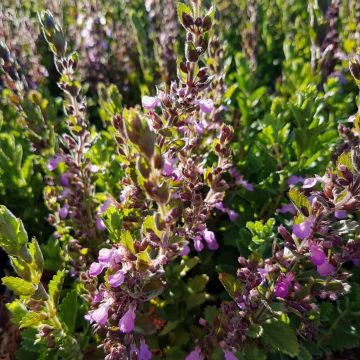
(149, 102)
(116, 279)
(206, 105)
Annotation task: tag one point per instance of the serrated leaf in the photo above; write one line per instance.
(68, 310)
(280, 337)
(55, 286)
(18, 285)
(13, 236)
(32, 319)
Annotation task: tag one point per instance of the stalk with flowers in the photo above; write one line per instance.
(166, 199)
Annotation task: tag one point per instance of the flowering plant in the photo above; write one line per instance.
(214, 215)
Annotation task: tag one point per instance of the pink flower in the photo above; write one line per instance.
(127, 322)
(325, 269)
(149, 102)
(206, 105)
(144, 351)
(116, 279)
(210, 239)
(318, 256)
(96, 269)
(304, 229)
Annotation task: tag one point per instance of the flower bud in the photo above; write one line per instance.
(187, 20)
(206, 24)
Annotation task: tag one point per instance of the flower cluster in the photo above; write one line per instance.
(167, 195)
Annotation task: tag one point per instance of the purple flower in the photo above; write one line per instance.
(64, 179)
(100, 315)
(198, 244)
(105, 256)
(210, 239)
(206, 105)
(220, 206)
(263, 273)
(64, 211)
(199, 127)
(294, 179)
(185, 251)
(144, 351)
(283, 284)
(356, 261)
(127, 322)
(325, 269)
(105, 206)
(195, 355)
(229, 355)
(287, 208)
(304, 229)
(309, 183)
(100, 224)
(233, 215)
(116, 279)
(168, 168)
(340, 214)
(53, 163)
(96, 269)
(149, 102)
(317, 255)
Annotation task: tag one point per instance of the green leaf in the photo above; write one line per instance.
(68, 310)
(280, 337)
(182, 9)
(210, 312)
(13, 236)
(17, 309)
(19, 286)
(299, 200)
(255, 331)
(127, 241)
(232, 285)
(32, 319)
(211, 13)
(55, 286)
